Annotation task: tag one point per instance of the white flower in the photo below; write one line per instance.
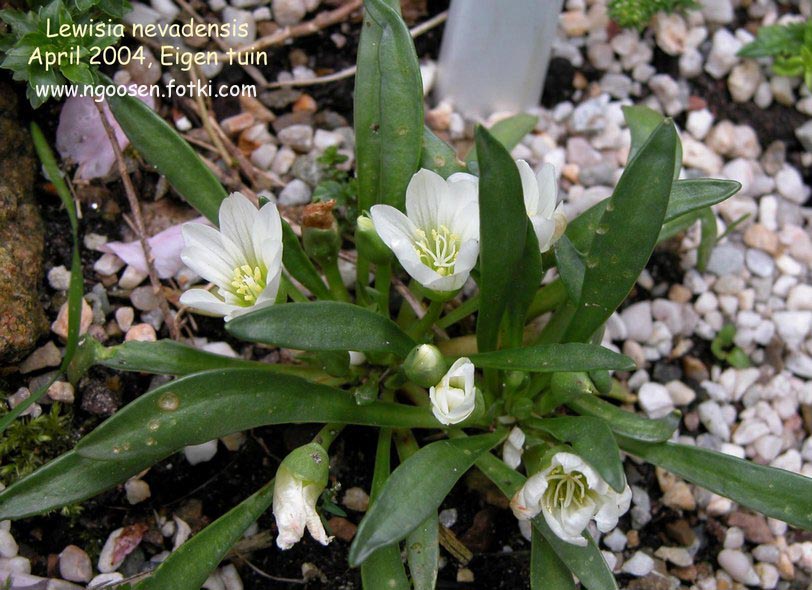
(540, 196)
(570, 493)
(300, 480)
(243, 259)
(513, 449)
(453, 399)
(437, 241)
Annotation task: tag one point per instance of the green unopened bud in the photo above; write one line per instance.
(370, 243)
(425, 365)
(320, 236)
(602, 381)
(309, 463)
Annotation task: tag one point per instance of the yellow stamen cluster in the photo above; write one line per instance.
(248, 283)
(439, 252)
(564, 489)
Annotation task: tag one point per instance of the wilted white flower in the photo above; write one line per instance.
(513, 449)
(540, 196)
(570, 493)
(453, 399)
(300, 480)
(244, 258)
(437, 241)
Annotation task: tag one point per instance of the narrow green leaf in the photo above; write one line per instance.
(207, 405)
(509, 132)
(626, 234)
(678, 225)
(168, 357)
(438, 156)
(547, 571)
(322, 325)
(552, 358)
(625, 423)
(570, 267)
(384, 568)
(299, 266)
(592, 440)
(642, 122)
(161, 146)
(686, 197)
(423, 553)
(433, 470)
(187, 567)
(502, 234)
(68, 479)
(523, 290)
(388, 107)
(776, 493)
(708, 238)
(585, 562)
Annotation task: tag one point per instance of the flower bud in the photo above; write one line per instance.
(370, 243)
(300, 480)
(454, 398)
(320, 236)
(425, 365)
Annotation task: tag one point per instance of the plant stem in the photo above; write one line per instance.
(361, 278)
(328, 434)
(383, 280)
(292, 290)
(547, 298)
(465, 309)
(427, 321)
(335, 281)
(417, 395)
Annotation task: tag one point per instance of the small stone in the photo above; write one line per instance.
(75, 565)
(137, 490)
(288, 12)
(800, 298)
(342, 528)
(616, 540)
(804, 135)
(60, 326)
(744, 80)
(125, 317)
(790, 185)
(668, 93)
(200, 453)
(284, 159)
(574, 23)
(61, 391)
(357, 499)
(679, 497)
(717, 11)
(710, 414)
(655, 400)
(758, 236)
(119, 544)
(734, 538)
(144, 298)
(638, 565)
(696, 154)
(793, 326)
(263, 156)
(298, 137)
(464, 575)
(738, 565)
(47, 355)
(768, 575)
(131, 278)
(726, 259)
(638, 321)
(141, 333)
(676, 555)
(754, 527)
(59, 278)
(237, 123)
(241, 20)
(760, 263)
(699, 123)
(297, 192)
(103, 580)
(8, 546)
(723, 52)
(448, 517)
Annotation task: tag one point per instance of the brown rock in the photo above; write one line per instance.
(754, 526)
(651, 582)
(686, 574)
(479, 536)
(22, 238)
(342, 528)
(758, 236)
(679, 293)
(680, 532)
(60, 325)
(305, 104)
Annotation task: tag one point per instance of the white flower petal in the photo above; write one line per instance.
(205, 302)
(205, 237)
(545, 230)
(530, 187)
(427, 202)
(267, 228)
(548, 190)
(237, 215)
(558, 529)
(312, 519)
(393, 227)
(208, 265)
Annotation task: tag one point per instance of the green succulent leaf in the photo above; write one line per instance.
(433, 470)
(552, 358)
(203, 406)
(509, 132)
(642, 122)
(626, 423)
(776, 493)
(503, 232)
(547, 571)
(388, 107)
(322, 325)
(438, 156)
(626, 234)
